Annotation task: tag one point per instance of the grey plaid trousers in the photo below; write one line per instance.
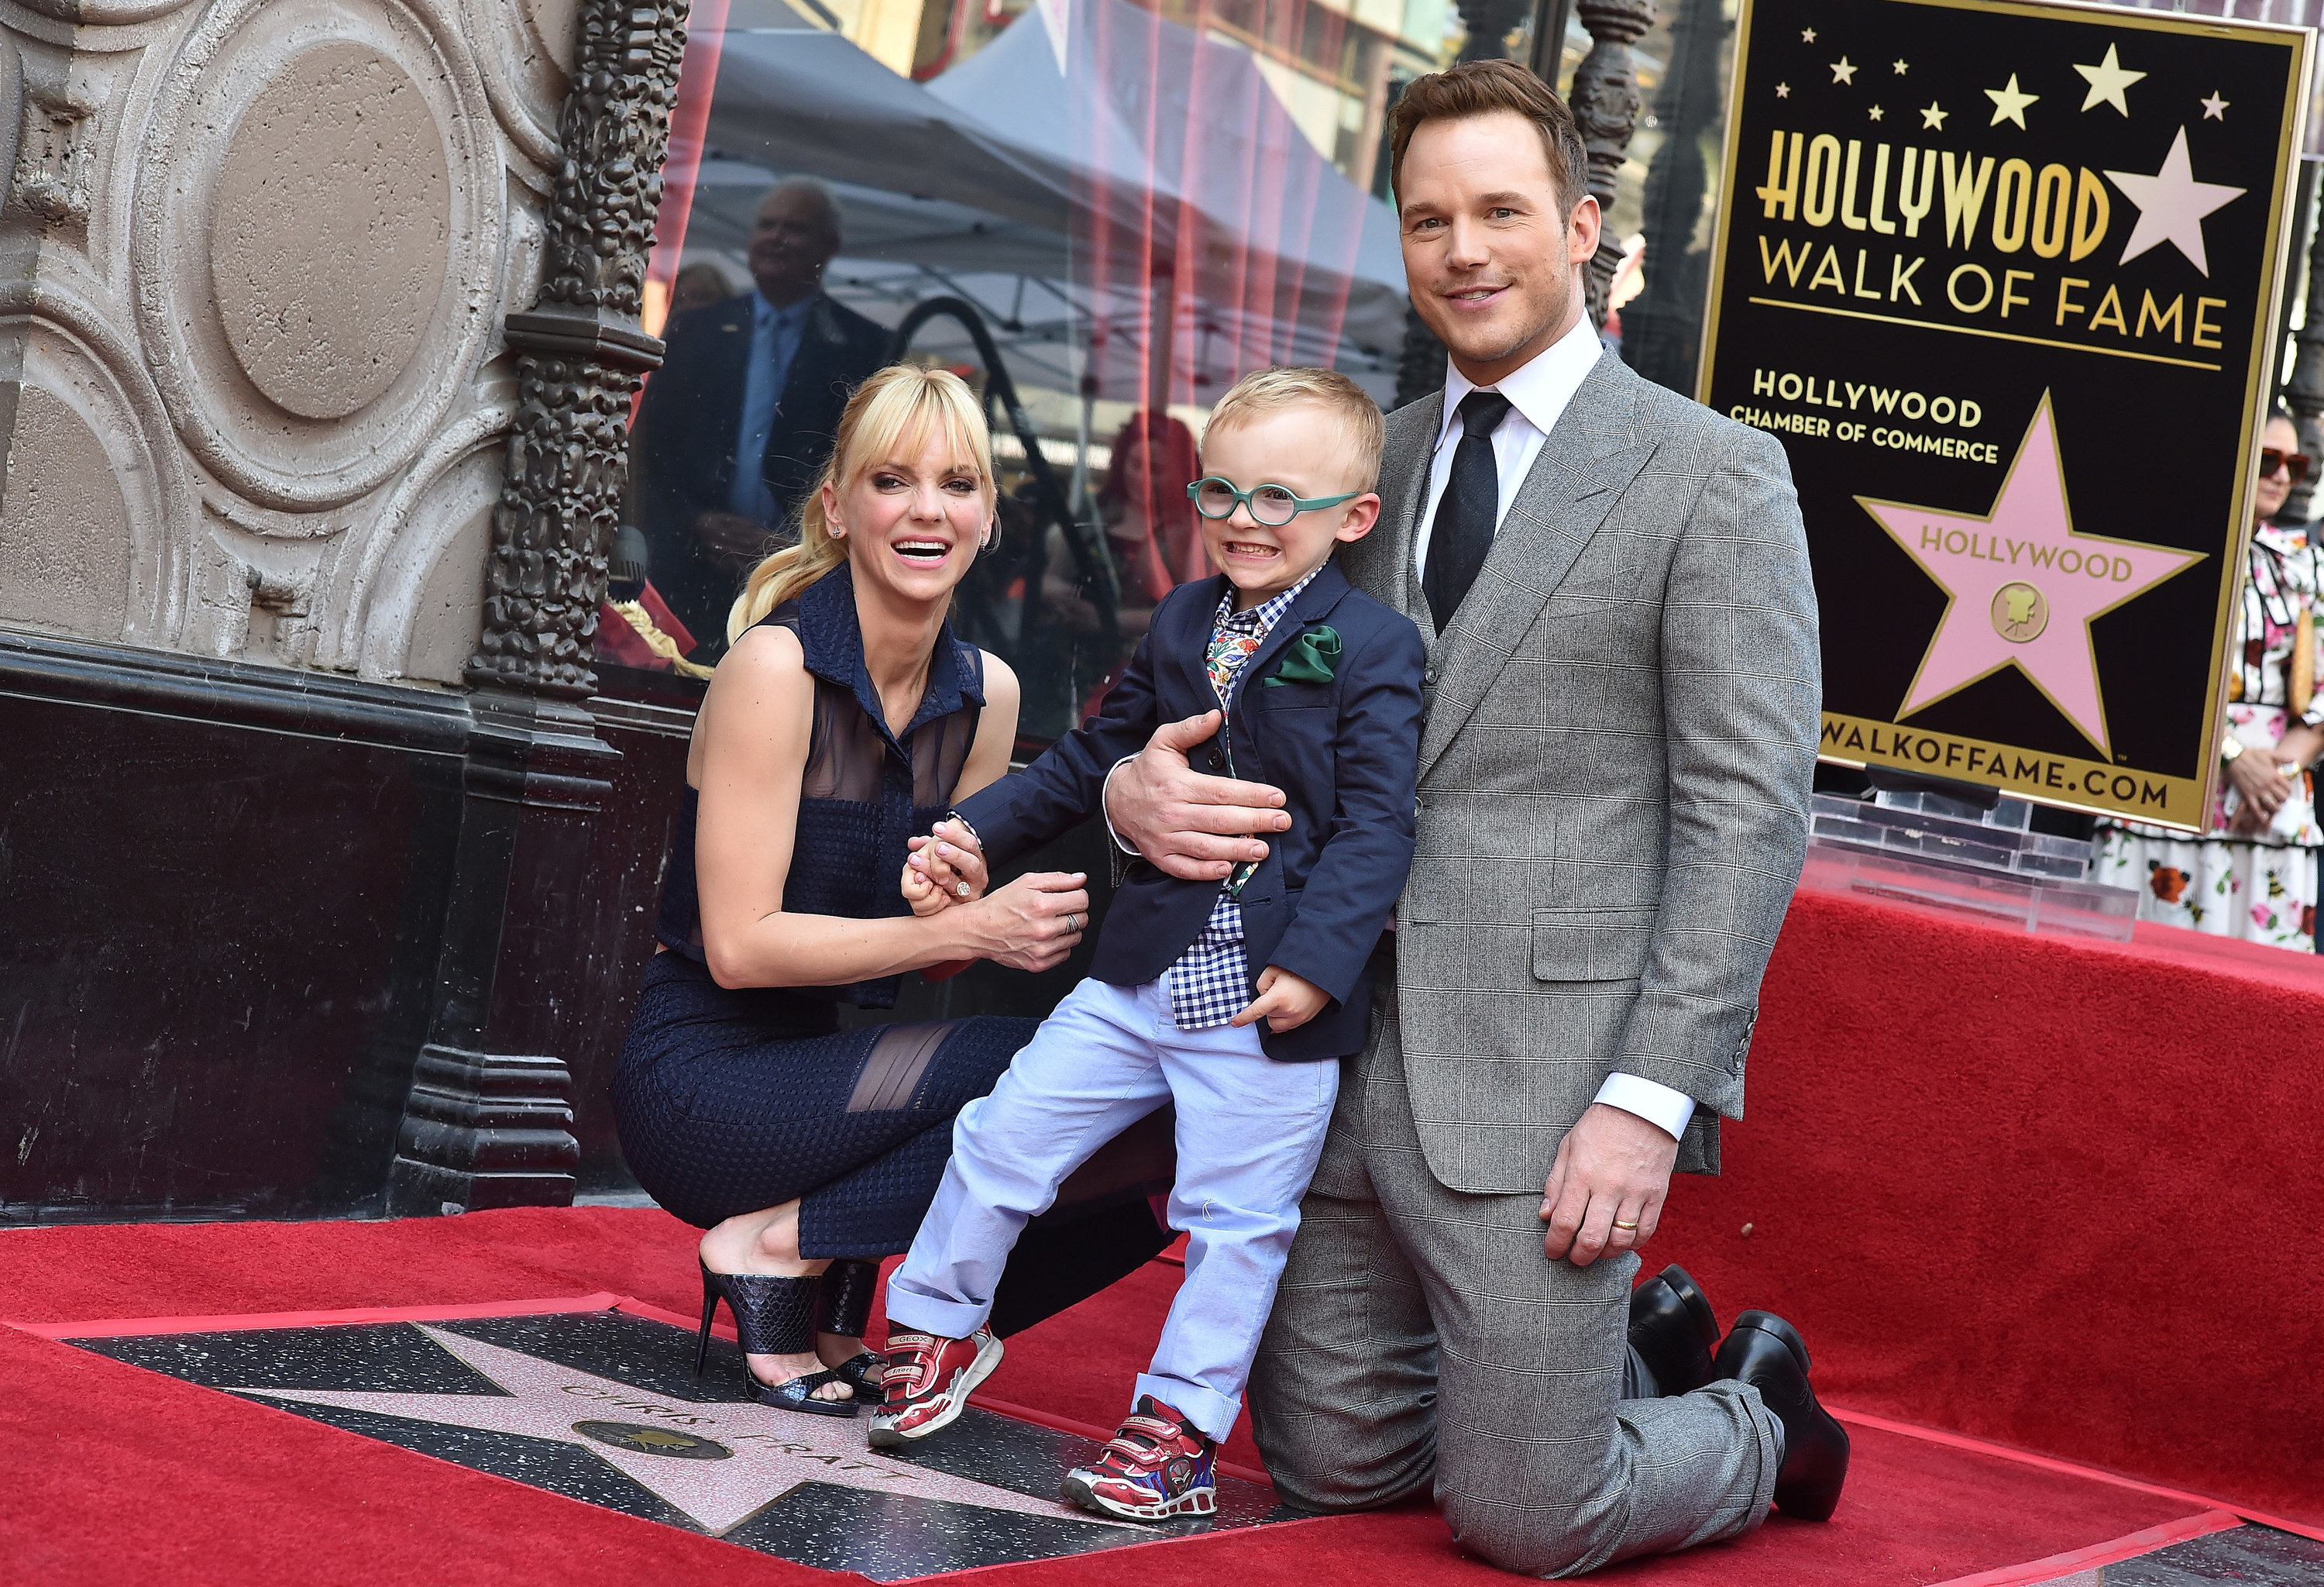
(1409, 1310)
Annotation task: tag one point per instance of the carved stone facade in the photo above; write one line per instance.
(1606, 104)
(255, 258)
(581, 351)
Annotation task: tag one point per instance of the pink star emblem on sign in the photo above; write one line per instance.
(2022, 586)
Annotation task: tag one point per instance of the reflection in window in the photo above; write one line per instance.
(1099, 212)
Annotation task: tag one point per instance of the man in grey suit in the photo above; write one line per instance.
(1624, 699)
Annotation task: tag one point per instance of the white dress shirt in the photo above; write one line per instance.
(1537, 395)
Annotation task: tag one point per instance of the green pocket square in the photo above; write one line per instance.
(1310, 659)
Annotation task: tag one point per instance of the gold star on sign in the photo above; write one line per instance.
(2214, 108)
(2009, 105)
(2108, 79)
(1783, 90)
(1933, 117)
(1807, 35)
(1875, 113)
(1842, 72)
(1901, 67)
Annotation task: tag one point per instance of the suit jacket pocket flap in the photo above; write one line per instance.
(1590, 944)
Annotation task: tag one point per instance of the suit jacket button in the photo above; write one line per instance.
(1217, 759)
(1429, 676)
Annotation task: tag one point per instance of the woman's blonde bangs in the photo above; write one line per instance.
(903, 415)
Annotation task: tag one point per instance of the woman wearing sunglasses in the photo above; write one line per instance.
(2252, 873)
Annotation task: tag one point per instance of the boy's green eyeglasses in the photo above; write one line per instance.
(1273, 505)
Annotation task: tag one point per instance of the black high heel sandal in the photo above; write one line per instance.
(772, 1316)
(843, 1305)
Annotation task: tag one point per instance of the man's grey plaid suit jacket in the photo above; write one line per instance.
(1614, 775)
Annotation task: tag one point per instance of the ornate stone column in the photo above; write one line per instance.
(1661, 330)
(1605, 102)
(487, 1120)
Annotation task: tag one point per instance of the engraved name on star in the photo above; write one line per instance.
(670, 1447)
(2214, 108)
(2008, 104)
(2108, 79)
(2172, 205)
(2022, 586)
(1933, 117)
(1842, 71)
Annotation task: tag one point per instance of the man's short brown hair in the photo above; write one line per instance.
(1480, 87)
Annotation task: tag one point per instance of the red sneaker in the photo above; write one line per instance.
(928, 1384)
(1157, 1467)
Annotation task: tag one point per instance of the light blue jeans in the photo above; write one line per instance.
(1249, 1133)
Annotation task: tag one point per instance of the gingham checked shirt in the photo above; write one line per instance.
(1211, 982)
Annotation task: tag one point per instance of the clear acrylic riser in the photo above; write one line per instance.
(2050, 906)
(1928, 826)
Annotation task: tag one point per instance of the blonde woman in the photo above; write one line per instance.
(844, 718)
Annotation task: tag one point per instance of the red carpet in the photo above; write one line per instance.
(118, 1475)
(2057, 1196)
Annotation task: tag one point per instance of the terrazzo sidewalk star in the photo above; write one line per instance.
(600, 1404)
(717, 1465)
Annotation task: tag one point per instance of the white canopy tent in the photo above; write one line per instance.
(1023, 186)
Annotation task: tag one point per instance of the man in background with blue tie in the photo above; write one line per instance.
(737, 421)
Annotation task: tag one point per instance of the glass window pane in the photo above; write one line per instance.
(1100, 213)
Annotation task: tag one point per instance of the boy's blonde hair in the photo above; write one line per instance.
(890, 417)
(1270, 391)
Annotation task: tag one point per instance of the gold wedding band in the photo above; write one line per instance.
(1619, 1224)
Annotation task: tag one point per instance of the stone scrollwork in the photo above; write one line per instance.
(580, 353)
(1606, 104)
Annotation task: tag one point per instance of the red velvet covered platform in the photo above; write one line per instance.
(2035, 1206)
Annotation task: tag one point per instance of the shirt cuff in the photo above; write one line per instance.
(1666, 1110)
(1107, 819)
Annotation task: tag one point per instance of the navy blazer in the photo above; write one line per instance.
(1343, 752)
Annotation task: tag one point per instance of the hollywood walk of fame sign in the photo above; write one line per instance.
(603, 1406)
(2008, 301)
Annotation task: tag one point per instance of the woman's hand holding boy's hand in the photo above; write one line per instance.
(951, 862)
(1284, 1000)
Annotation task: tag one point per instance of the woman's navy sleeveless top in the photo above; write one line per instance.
(866, 790)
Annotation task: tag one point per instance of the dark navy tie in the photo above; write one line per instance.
(1468, 511)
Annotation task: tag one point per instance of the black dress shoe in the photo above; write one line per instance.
(1767, 1353)
(1673, 1329)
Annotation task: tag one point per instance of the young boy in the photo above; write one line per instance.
(1320, 687)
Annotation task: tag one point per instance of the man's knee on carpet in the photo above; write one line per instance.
(1537, 1539)
(1313, 1467)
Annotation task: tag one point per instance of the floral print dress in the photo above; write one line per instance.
(2261, 888)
